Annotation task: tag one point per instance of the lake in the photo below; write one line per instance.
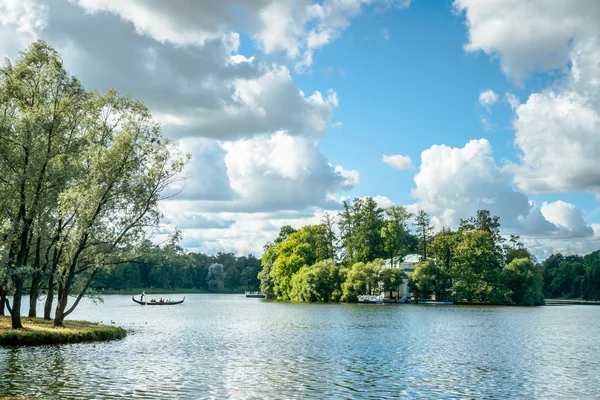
(227, 346)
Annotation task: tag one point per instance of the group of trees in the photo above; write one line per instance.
(169, 267)
(314, 264)
(572, 276)
(474, 263)
(81, 175)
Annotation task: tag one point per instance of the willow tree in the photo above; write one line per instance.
(40, 110)
(126, 166)
(80, 177)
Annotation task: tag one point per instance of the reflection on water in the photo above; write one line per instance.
(227, 346)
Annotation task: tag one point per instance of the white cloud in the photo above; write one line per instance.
(295, 27)
(282, 172)
(557, 130)
(568, 218)
(454, 183)
(528, 35)
(512, 100)
(559, 136)
(259, 105)
(398, 161)
(488, 98)
(26, 15)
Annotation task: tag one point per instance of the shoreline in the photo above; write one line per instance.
(37, 331)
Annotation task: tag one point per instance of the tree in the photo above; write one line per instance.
(302, 248)
(523, 279)
(515, 249)
(216, 277)
(395, 232)
(362, 279)
(428, 279)
(591, 289)
(443, 248)
(424, 232)
(329, 223)
(82, 175)
(319, 282)
(391, 279)
(476, 272)
(42, 110)
(360, 231)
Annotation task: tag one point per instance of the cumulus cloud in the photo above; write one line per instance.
(488, 98)
(221, 104)
(296, 28)
(282, 172)
(528, 35)
(557, 130)
(454, 183)
(398, 161)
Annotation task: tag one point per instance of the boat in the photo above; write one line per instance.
(156, 303)
(256, 295)
(364, 299)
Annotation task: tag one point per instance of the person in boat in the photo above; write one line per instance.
(143, 296)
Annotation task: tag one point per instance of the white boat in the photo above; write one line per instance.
(258, 295)
(366, 299)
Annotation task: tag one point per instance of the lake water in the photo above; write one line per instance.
(227, 346)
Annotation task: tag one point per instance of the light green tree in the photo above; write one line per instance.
(362, 279)
(523, 280)
(320, 282)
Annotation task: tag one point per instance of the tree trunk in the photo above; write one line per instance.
(34, 290)
(2, 301)
(16, 306)
(33, 298)
(63, 301)
(49, 296)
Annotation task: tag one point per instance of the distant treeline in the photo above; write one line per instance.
(572, 276)
(170, 267)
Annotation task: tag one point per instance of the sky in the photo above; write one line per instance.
(287, 108)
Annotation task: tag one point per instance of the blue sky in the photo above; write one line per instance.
(287, 108)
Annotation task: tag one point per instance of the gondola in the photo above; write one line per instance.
(156, 303)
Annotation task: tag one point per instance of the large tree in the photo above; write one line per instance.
(395, 233)
(82, 174)
(424, 229)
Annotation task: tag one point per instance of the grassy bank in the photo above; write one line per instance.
(37, 331)
(138, 291)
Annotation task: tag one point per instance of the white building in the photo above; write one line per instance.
(407, 267)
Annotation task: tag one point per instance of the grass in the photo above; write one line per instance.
(37, 331)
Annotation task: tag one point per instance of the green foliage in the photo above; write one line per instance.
(281, 261)
(523, 280)
(319, 282)
(361, 226)
(391, 279)
(395, 234)
(428, 279)
(362, 279)
(82, 172)
(591, 287)
(424, 232)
